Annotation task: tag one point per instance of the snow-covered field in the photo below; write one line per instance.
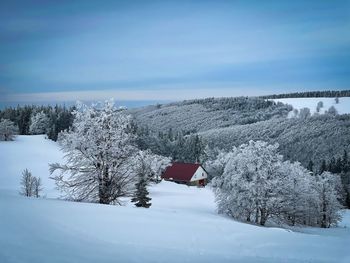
(31, 152)
(181, 225)
(342, 107)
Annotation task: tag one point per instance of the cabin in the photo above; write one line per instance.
(192, 174)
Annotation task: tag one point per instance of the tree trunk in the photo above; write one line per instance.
(103, 188)
(248, 218)
(263, 216)
(324, 210)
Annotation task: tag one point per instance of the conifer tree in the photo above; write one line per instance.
(140, 197)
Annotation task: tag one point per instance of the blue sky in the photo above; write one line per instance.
(170, 50)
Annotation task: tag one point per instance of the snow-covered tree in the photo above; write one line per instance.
(30, 185)
(304, 113)
(140, 197)
(319, 106)
(298, 198)
(216, 160)
(332, 111)
(39, 123)
(327, 187)
(37, 186)
(27, 183)
(248, 189)
(295, 113)
(7, 130)
(150, 165)
(257, 185)
(100, 150)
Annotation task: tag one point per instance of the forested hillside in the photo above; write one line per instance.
(228, 122)
(315, 138)
(201, 115)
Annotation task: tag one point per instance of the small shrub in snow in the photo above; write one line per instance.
(37, 186)
(31, 185)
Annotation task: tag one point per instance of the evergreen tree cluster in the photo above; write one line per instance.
(232, 103)
(311, 94)
(178, 146)
(31, 119)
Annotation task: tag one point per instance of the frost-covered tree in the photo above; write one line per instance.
(30, 185)
(216, 161)
(295, 113)
(332, 111)
(319, 106)
(39, 123)
(37, 187)
(8, 130)
(304, 113)
(257, 185)
(327, 187)
(27, 183)
(100, 150)
(248, 189)
(150, 165)
(299, 199)
(140, 197)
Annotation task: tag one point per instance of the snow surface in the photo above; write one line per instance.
(33, 152)
(181, 225)
(342, 107)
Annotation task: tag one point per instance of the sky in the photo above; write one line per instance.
(170, 50)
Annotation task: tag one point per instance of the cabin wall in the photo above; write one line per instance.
(199, 174)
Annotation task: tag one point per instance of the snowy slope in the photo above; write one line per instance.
(342, 107)
(181, 225)
(32, 152)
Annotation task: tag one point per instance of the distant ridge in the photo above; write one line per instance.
(310, 94)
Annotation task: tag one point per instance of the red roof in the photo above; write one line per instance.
(181, 171)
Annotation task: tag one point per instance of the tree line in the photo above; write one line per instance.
(31, 119)
(310, 94)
